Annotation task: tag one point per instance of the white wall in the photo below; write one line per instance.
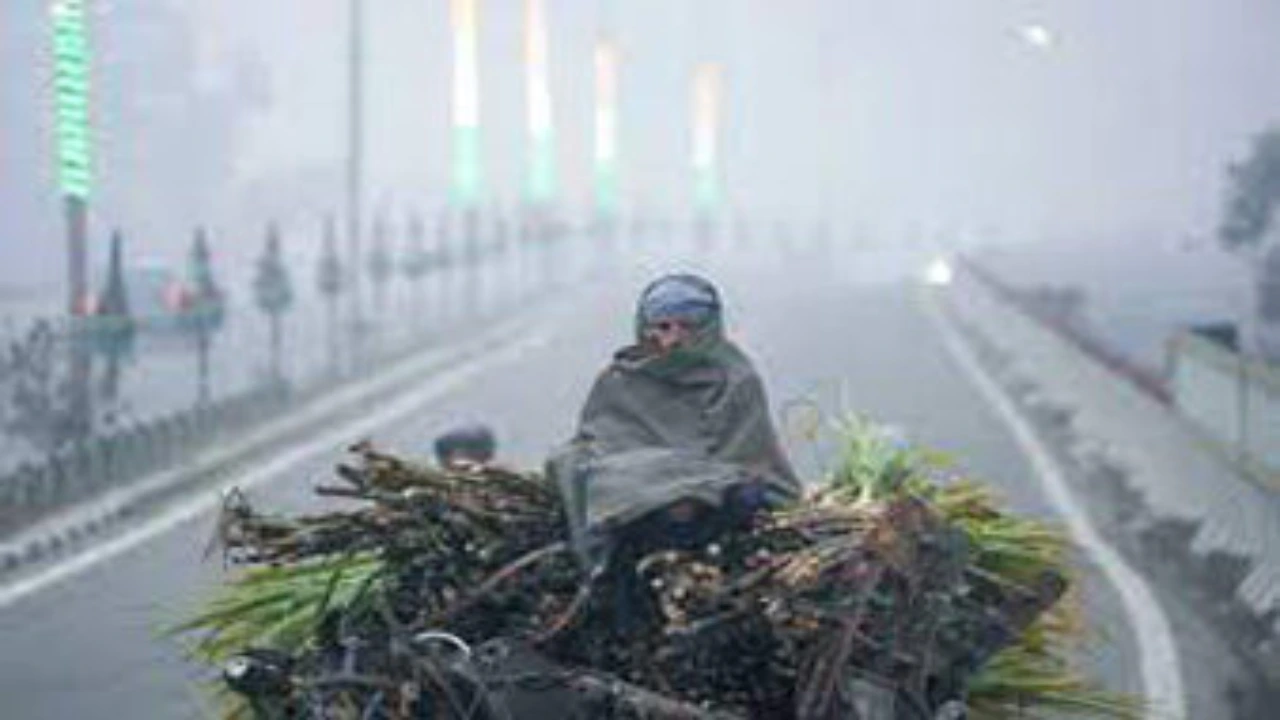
(1233, 400)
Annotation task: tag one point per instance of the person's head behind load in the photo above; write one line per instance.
(678, 311)
(465, 446)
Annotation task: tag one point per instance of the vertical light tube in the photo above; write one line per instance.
(467, 175)
(73, 65)
(540, 182)
(708, 98)
(606, 128)
(72, 70)
(355, 165)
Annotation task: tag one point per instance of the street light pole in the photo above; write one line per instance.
(72, 70)
(708, 101)
(76, 216)
(467, 173)
(606, 130)
(540, 162)
(355, 170)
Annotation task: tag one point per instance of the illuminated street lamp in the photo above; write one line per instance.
(72, 68)
(540, 183)
(467, 174)
(71, 80)
(939, 273)
(708, 99)
(1038, 36)
(606, 129)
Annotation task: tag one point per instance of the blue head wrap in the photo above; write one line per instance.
(680, 297)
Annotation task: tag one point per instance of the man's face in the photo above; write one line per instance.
(666, 334)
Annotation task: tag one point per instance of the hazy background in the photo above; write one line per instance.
(903, 120)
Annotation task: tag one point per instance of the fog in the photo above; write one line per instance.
(1070, 122)
(1101, 361)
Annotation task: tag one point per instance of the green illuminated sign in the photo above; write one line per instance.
(542, 170)
(708, 100)
(607, 189)
(706, 189)
(606, 127)
(71, 87)
(467, 175)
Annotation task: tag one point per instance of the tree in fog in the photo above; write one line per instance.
(273, 291)
(37, 394)
(329, 284)
(204, 308)
(36, 398)
(113, 326)
(415, 262)
(381, 264)
(1253, 192)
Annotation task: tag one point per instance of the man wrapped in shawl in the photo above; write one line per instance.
(675, 430)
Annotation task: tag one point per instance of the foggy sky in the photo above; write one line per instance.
(911, 118)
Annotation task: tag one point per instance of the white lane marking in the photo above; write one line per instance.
(1161, 666)
(402, 407)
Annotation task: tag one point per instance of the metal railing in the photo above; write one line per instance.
(478, 287)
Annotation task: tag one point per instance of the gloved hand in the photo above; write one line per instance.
(743, 502)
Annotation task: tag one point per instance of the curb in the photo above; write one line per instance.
(1160, 664)
(1160, 537)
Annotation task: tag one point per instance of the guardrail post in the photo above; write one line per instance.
(21, 487)
(33, 484)
(146, 453)
(81, 478)
(55, 481)
(9, 491)
(96, 459)
(206, 425)
(186, 432)
(160, 440)
(126, 455)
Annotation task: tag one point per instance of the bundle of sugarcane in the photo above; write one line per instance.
(1034, 673)
(887, 592)
(420, 538)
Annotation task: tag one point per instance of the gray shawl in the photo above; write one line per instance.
(658, 429)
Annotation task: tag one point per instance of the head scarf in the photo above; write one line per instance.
(682, 296)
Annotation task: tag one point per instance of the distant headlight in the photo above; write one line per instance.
(939, 273)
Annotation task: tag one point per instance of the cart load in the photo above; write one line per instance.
(894, 588)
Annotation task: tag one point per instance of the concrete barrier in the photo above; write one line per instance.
(84, 469)
(1201, 507)
(1233, 400)
(1088, 344)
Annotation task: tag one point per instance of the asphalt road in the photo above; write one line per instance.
(90, 646)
